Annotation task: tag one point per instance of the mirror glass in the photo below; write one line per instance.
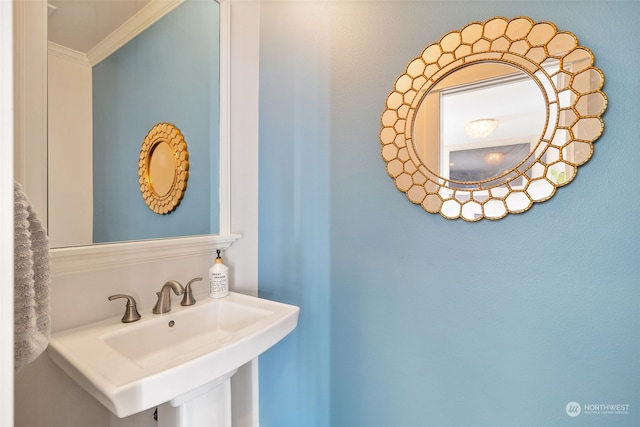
(492, 119)
(479, 122)
(162, 168)
(105, 94)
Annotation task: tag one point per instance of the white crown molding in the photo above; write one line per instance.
(68, 54)
(97, 257)
(142, 20)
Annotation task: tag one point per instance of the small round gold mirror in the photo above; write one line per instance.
(492, 119)
(163, 168)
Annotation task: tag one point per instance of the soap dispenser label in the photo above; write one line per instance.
(218, 283)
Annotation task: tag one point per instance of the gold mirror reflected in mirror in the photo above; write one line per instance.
(163, 168)
(492, 119)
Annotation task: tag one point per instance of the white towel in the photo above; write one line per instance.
(32, 324)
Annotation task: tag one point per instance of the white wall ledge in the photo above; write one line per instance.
(80, 259)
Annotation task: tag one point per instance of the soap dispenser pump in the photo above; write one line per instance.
(218, 279)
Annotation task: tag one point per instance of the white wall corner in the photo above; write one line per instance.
(30, 95)
(6, 214)
(244, 93)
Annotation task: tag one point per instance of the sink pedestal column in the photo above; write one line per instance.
(206, 406)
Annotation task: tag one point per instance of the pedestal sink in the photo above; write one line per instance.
(179, 361)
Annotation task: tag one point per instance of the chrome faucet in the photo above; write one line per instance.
(164, 296)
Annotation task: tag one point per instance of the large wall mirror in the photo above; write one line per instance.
(492, 119)
(116, 69)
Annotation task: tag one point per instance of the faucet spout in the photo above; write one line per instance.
(164, 296)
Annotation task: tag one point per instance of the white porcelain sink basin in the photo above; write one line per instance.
(131, 367)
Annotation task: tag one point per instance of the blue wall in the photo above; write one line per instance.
(411, 320)
(169, 73)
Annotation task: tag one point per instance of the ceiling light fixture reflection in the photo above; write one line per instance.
(494, 158)
(481, 128)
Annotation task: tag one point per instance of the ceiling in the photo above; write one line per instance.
(82, 24)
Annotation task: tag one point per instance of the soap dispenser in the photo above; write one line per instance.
(218, 279)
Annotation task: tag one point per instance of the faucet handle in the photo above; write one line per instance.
(188, 298)
(131, 312)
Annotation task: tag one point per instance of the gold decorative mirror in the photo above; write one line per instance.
(492, 119)
(163, 168)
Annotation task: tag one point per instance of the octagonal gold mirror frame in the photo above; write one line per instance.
(163, 168)
(553, 62)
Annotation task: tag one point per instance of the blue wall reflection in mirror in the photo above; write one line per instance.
(170, 72)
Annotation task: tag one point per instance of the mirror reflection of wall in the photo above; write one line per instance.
(100, 113)
(497, 94)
